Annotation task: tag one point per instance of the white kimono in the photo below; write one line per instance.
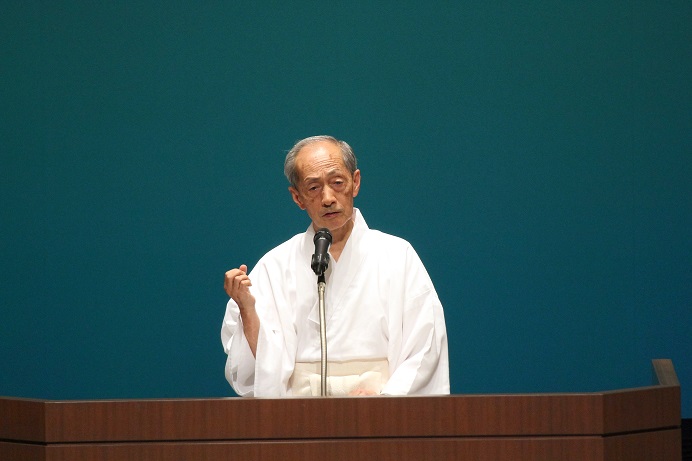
(381, 306)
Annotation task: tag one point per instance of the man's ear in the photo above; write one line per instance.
(296, 197)
(356, 182)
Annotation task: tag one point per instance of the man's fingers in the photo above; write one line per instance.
(235, 280)
(241, 280)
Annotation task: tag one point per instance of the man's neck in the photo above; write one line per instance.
(340, 237)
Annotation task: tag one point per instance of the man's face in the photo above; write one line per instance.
(325, 186)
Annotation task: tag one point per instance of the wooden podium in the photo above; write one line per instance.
(630, 424)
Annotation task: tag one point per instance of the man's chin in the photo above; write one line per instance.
(334, 225)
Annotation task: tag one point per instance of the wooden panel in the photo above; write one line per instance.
(476, 449)
(242, 419)
(22, 419)
(638, 409)
(664, 373)
(634, 424)
(644, 446)
(10, 451)
(632, 447)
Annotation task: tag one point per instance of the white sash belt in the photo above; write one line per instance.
(343, 378)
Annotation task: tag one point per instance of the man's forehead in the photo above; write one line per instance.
(320, 158)
(317, 174)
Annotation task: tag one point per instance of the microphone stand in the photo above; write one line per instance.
(321, 284)
(319, 264)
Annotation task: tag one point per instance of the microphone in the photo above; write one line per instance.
(320, 260)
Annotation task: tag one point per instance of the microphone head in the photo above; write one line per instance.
(320, 260)
(323, 234)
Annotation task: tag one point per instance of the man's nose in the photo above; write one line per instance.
(327, 196)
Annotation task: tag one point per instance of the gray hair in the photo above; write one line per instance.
(347, 155)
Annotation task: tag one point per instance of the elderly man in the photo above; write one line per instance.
(384, 322)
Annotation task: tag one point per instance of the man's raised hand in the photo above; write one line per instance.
(237, 285)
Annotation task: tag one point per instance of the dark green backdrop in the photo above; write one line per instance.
(538, 155)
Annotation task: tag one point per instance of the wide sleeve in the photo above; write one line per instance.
(267, 374)
(240, 363)
(418, 356)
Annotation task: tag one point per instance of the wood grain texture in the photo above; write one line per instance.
(641, 424)
(476, 449)
(664, 373)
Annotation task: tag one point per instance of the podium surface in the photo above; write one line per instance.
(628, 424)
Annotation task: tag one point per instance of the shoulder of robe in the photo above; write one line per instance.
(384, 240)
(386, 246)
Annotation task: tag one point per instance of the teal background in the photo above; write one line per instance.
(538, 155)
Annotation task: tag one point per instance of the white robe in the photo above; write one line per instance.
(380, 304)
